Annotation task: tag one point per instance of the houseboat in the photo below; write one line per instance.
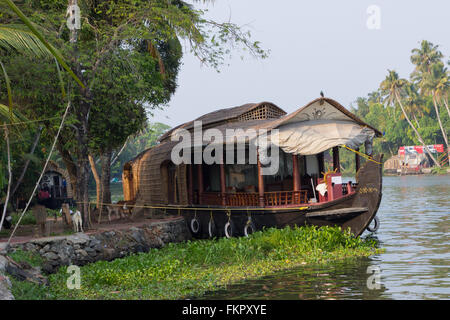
(235, 196)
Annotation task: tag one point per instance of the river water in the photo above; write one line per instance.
(414, 231)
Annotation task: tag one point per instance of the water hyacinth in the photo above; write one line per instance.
(181, 270)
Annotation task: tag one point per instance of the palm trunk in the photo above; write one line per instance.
(5, 205)
(444, 134)
(445, 99)
(415, 131)
(436, 108)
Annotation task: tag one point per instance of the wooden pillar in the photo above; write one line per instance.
(336, 163)
(260, 184)
(223, 184)
(295, 173)
(200, 182)
(357, 160)
(191, 184)
(321, 160)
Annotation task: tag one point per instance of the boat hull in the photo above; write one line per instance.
(354, 211)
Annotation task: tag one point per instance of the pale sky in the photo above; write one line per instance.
(315, 45)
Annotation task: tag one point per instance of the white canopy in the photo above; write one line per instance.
(315, 136)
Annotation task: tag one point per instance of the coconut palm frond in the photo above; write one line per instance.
(12, 37)
(6, 116)
(44, 42)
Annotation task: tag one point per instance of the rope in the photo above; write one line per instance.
(42, 174)
(178, 208)
(362, 154)
(25, 122)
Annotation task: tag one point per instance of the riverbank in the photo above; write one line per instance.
(189, 269)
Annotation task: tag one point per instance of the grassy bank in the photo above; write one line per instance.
(189, 269)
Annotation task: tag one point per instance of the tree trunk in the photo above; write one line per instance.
(27, 162)
(444, 134)
(415, 131)
(82, 114)
(119, 153)
(5, 205)
(436, 108)
(98, 184)
(445, 99)
(70, 166)
(83, 184)
(106, 176)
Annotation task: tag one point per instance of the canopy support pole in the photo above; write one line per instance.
(295, 173)
(357, 160)
(336, 162)
(260, 183)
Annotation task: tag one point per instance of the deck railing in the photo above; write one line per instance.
(251, 199)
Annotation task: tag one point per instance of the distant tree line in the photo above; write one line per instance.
(413, 111)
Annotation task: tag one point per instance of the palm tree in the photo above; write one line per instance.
(391, 88)
(26, 41)
(442, 89)
(424, 57)
(414, 103)
(31, 38)
(433, 83)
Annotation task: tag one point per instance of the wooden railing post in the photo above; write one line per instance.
(200, 183)
(223, 184)
(191, 184)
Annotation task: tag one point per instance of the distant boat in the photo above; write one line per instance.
(236, 199)
(115, 180)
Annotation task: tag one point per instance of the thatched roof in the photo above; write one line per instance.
(225, 116)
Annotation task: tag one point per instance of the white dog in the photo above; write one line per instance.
(77, 221)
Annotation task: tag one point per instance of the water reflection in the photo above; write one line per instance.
(311, 282)
(414, 216)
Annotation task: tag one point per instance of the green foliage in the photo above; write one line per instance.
(437, 170)
(27, 219)
(127, 54)
(189, 269)
(145, 139)
(34, 259)
(381, 108)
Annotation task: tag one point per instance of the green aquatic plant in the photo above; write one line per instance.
(181, 270)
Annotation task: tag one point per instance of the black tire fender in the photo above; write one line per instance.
(229, 229)
(249, 226)
(195, 225)
(212, 229)
(376, 226)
